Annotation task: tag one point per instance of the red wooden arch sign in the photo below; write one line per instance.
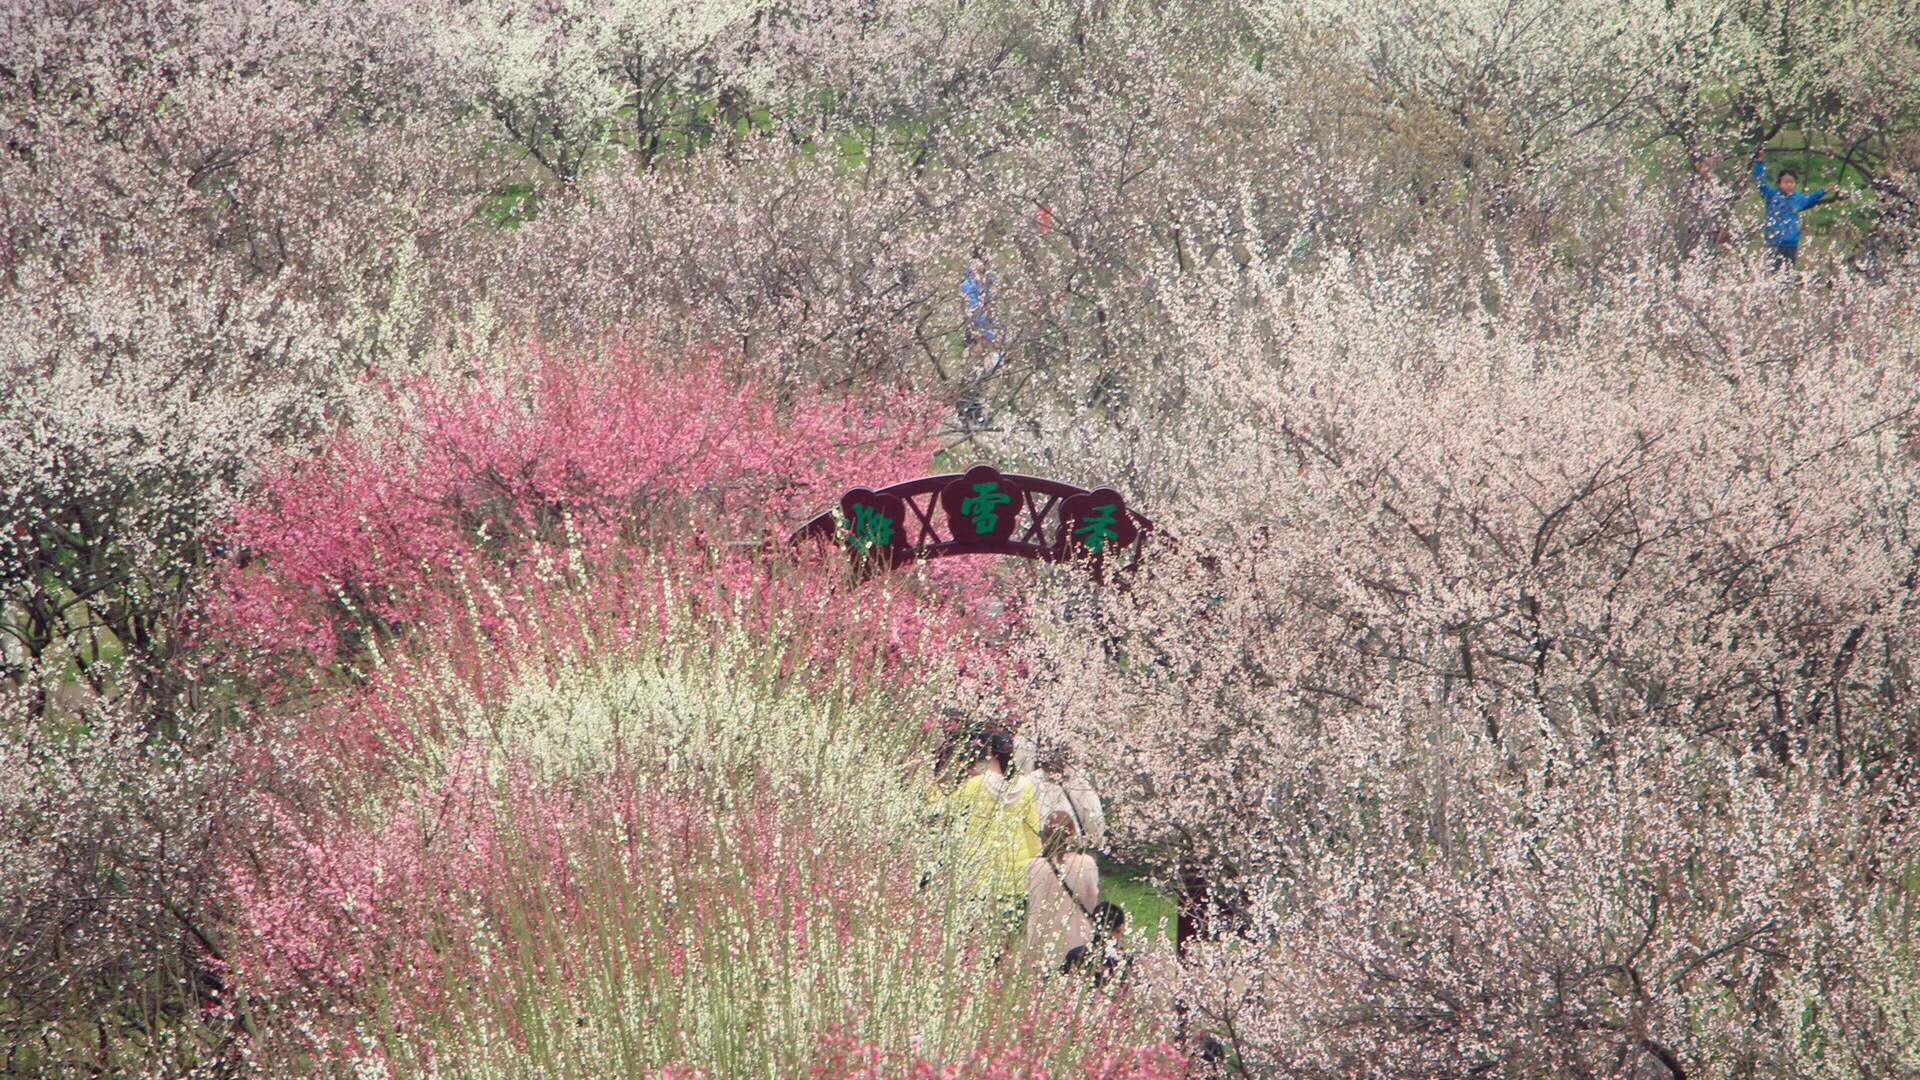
(982, 511)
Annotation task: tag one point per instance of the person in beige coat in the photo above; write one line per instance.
(1063, 888)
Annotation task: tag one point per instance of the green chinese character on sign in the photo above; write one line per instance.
(984, 507)
(871, 528)
(1096, 528)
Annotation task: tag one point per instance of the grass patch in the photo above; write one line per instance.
(1150, 912)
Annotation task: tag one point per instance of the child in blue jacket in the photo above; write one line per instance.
(1784, 204)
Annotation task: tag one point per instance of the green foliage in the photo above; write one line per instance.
(511, 206)
(1150, 914)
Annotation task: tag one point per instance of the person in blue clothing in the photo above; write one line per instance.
(1784, 205)
(977, 288)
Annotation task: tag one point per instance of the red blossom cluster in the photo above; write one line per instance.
(555, 459)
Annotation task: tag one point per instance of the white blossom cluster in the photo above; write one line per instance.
(1507, 689)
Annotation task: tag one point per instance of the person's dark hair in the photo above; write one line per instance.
(1795, 173)
(1076, 959)
(1108, 919)
(1000, 749)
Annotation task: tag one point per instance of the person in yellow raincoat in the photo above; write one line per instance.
(1002, 817)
